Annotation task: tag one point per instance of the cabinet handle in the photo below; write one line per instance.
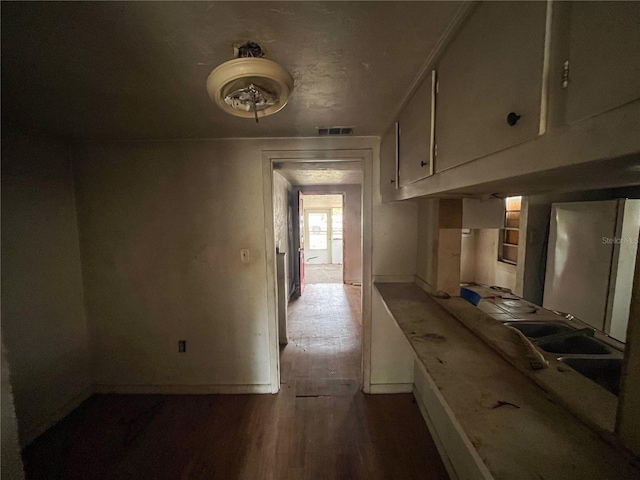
(423, 163)
(512, 118)
(393, 181)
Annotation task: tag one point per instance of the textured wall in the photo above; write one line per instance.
(10, 463)
(43, 317)
(161, 228)
(281, 191)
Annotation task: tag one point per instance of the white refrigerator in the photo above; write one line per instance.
(591, 259)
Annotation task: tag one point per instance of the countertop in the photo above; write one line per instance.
(519, 430)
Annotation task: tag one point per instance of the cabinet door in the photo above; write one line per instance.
(415, 134)
(492, 68)
(389, 161)
(604, 57)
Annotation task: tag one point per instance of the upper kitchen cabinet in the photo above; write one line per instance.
(490, 82)
(416, 134)
(603, 57)
(389, 161)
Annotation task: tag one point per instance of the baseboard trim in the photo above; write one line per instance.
(393, 278)
(28, 437)
(378, 388)
(423, 285)
(185, 389)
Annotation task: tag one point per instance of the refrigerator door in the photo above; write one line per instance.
(579, 259)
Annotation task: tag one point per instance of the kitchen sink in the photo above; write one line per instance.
(540, 329)
(605, 372)
(579, 344)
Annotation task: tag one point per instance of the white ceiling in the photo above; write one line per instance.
(320, 173)
(137, 70)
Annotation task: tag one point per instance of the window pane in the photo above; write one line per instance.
(510, 254)
(511, 236)
(512, 203)
(318, 230)
(317, 221)
(317, 241)
(512, 219)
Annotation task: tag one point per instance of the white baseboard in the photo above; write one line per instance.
(183, 389)
(377, 388)
(29, 436)
(423, 285)
(393, 278)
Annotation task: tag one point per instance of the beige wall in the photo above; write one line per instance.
(427, 257)
(488, 270)
(352, 233)
(394, 247)
(162, 225)
(11, 462)
(468, 257)
(322, 201)
(395, 237)
(43, 318)
(281, 191)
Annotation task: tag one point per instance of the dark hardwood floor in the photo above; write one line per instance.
(320, 425)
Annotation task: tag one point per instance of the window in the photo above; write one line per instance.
(510, 234)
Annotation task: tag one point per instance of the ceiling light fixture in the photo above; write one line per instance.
(250, 86)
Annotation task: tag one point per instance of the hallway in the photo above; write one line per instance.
(320, 425)
(322, 273)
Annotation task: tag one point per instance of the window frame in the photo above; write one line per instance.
(502, 236)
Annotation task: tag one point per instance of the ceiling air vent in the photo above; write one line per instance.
(335, 130)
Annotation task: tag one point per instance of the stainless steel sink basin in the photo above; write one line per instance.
(580, 344)
(604, 371)
(540, 329)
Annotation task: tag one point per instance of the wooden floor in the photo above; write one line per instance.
(322, 273)
(320, 426)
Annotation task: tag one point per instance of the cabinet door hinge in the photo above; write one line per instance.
(565, 74)
(438, 86)
(435, 150)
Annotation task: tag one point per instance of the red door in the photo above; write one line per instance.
(301, 249)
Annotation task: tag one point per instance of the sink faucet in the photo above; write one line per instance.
(536, 359)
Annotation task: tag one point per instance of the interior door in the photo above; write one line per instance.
(301, 235)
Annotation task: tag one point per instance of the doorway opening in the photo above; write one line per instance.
(319, 244)
(321, 224)
(323, 350)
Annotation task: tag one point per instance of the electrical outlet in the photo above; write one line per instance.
(244, 255)
(182, 346)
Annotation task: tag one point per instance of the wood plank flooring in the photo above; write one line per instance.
(320, 425)
(322, 273)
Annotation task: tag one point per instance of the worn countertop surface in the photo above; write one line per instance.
(530, 437)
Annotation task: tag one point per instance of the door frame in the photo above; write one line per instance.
(269, 157)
